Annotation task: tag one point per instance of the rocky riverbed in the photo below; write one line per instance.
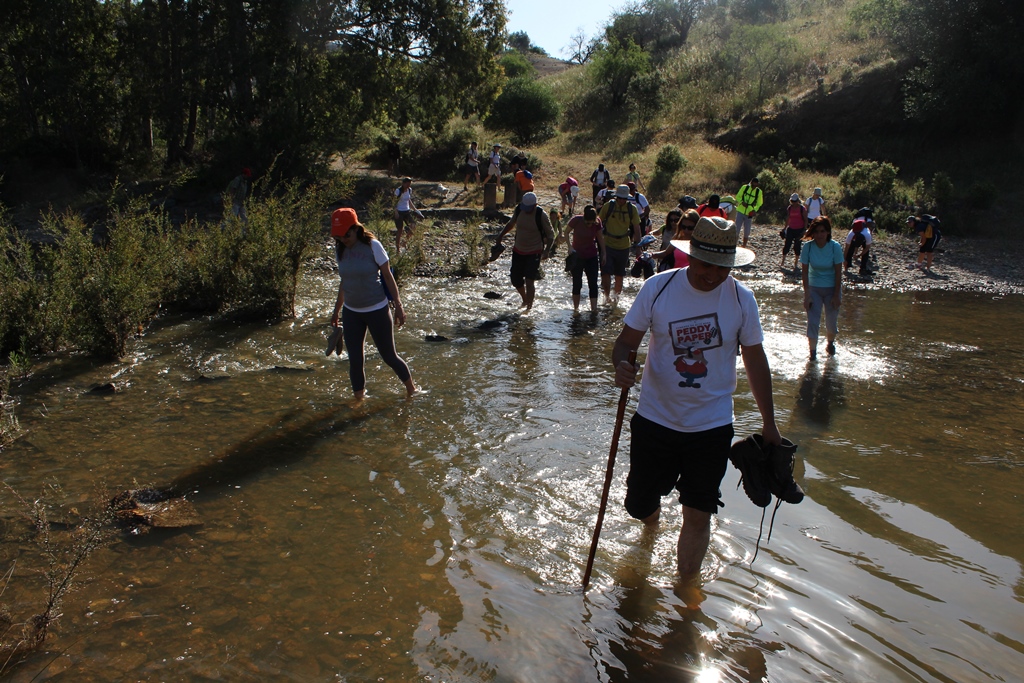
(960, 264)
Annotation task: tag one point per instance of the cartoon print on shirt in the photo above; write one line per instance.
(692, 367)
(690, 338)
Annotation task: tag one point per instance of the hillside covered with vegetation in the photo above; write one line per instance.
(122, 123)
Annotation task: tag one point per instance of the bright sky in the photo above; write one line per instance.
(550, 23)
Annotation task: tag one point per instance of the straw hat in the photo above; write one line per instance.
(714, 241)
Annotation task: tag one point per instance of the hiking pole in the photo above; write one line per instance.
(608, 475)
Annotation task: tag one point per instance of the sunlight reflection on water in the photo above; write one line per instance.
(445, 536)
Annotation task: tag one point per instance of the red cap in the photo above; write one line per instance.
(247, 172)
(342, 220)
(858, 225)
(631, 186)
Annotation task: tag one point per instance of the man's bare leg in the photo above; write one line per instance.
(694, 538)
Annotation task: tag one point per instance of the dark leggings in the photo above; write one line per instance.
(793, 239)
(381, 327)
(588, 266)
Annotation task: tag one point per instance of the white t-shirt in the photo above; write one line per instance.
(473, 157)
(814, 205)
(866, 232)
(690, 372)
(640, 201)
(404, 199)
(600, 178)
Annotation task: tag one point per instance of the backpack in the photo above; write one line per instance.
(630, 211)
(536, 214)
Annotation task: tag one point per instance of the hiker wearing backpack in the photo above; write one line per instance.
(567, 192)
(598, 179)
(606, 195)
(494, 167)
(587, 250)
(859, 237)
(534, 237)
(815, 205)
(524, 180)
(472, 166)
(699, 318)
(796, 224)
(643, 206)
(621, 222)
(712, 207)
(748, 203)
(927, 228)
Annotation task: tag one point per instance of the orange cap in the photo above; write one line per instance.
(342, 220)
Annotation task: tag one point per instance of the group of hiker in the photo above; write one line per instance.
(700, 318)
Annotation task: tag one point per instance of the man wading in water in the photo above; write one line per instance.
(533, 238)
(682, 430)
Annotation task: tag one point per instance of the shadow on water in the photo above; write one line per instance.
(287, 442)
(820, 393)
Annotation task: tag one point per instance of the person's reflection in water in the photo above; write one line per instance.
(821, 392)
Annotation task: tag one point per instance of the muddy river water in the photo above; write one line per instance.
(443, 538)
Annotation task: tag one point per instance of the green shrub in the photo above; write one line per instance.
(667, 164)
(943, 191)
(516, 65)
(868, 182)
(103, 293)
(526, 109)
(982, 195)
(646, 96)
(614, 67)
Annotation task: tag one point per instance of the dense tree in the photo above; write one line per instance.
(526, 109)
(657, 26)
(615, 66)
(248, 79)
(965, 66)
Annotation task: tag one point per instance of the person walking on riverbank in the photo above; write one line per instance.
(586, 241)
(621, 222)
(822, 276)
(748, 203)
(699, 317)
(598, 179)
(634, 177)
(363, 292)
(534, 236)
(927, 229)
(405, 212)
(494, 166)
(567, 192)
(859, 237)
(238, 191)
(815, 205)
(796, 225)
(472, 166)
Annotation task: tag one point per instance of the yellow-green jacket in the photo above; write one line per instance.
(749, 199)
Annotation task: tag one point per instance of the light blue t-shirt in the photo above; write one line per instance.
(821, 262)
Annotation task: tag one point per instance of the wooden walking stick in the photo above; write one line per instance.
(608, 475)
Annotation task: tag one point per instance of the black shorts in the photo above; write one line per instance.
(661, 459)
(616, 262)
(524, 267)
(929, 244)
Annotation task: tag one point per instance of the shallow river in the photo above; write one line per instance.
(444, 538)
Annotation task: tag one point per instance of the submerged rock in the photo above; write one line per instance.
(144, 508)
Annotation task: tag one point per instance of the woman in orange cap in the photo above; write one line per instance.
(366, 285)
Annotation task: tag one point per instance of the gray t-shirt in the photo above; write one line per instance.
(359, 269)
